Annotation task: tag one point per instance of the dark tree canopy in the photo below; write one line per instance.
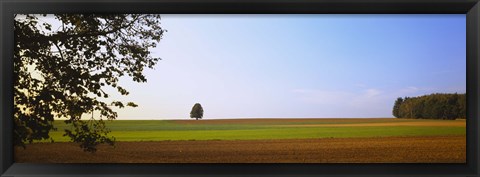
(197, 111)
(396, 107)
(433, 106)
(61, 70)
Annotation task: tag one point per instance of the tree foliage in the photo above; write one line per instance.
(61, 70)
(433, 106)
(197, 111)
(396, 107)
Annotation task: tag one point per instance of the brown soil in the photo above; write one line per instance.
(389, 124)
(435, 149)
(303, 120)
(273, 120)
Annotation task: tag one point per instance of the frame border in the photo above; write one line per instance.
(469, 7)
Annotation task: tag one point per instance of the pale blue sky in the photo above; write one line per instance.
(307, 66)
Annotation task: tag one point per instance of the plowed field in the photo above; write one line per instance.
(410, 149)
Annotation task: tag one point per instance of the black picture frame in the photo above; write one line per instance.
(469, 7)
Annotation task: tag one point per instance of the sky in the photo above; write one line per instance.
(298, 66)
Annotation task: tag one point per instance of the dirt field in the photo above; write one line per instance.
(284, 120)
(435, 149)
(388, 124)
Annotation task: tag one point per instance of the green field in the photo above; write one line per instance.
(161, 130)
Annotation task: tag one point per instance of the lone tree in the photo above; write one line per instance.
(197, 111)
(64, 62)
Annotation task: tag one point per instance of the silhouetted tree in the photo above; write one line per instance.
(61, 70)
(197, 111)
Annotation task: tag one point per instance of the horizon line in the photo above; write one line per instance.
(249, 118)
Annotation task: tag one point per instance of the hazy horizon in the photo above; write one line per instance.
(305, 66)
(230, 118)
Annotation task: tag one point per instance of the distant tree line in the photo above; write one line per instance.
(433, 106)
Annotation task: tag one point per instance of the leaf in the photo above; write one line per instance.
(131, 104)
